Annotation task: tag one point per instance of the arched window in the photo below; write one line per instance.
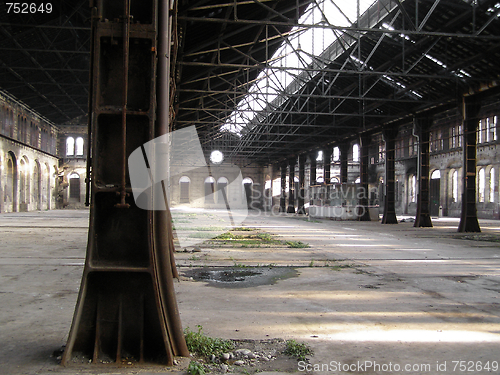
(481, 184)
(209, 189)
(70, 146)
(492, 185)
(412, 189)
(320, 156)
(336, 154)
(355, 153)
(79, 147)
(454, 186)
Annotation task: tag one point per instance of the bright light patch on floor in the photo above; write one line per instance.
(413, 335)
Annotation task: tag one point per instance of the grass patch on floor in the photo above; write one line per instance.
(298, 350)
(250, 240)
(479, 237)
(199, 343)
(297, 244)
(202, 235)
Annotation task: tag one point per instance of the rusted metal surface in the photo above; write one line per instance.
(126, 309)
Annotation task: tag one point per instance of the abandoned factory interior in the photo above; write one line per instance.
(314, 185)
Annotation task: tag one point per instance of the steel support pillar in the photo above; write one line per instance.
(291, 186)
(390, 176)
(274, 177)
(421, 128)
(312, 172)
(468, 217)
(363, 193)
(302, 161)
(126, 308)
(283, 188)
(327, 161)
(344, 162)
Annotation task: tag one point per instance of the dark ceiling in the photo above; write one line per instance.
(44, 60)
(433, 52)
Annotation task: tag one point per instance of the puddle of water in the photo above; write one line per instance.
(236, 277)
(226, 276)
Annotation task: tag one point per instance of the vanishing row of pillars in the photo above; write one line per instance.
(421, 129)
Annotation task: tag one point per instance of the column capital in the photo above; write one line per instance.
(389, 133)
(365, 140)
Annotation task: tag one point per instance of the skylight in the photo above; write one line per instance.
(274, 83)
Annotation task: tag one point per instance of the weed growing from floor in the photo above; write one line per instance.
(297, 244)
(201, 235)
(342, 266)
(228, 236)
(199, 343)
(196, 368)
(265, 236)
(297, 350)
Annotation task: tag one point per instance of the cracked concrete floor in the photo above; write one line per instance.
(368, 298)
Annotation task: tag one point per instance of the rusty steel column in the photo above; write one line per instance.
(468, 217)
(390, 176)
(302, 161)
(422, 127)
(312, 174)
(364, 210)
(291, 186)
(126, 308)
(312, 171)
(344, 162)
(283, 188)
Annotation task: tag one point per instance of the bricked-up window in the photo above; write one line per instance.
(336, 154)
(399, 149)
(70, 146)
(44, 145)
(487, 130)
(412, 188)
(74, 187)
(436, 141)
(454, 186)
(481, 186)
(413, 146)
(355, 153)
(492, 185)
(79, 146)
(34, 134)
(320, 156)
(381, 151)
(184, 189)
(482, 133)
(492, 129)
(453, 137)
(209, 187)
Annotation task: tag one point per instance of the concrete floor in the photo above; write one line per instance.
(398, 297)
